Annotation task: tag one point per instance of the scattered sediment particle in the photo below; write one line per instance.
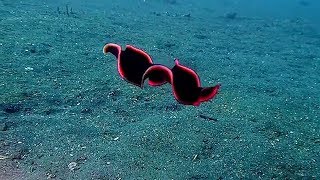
(40, 49)
(86, 111)
(28, 68)
(195, 157)
(157, 13)
(19, 154)
(110, 135)
(49, 111)
(12, 108)
(3, 126)
(198, 176)
(316, 140)
(50, 176)
(208, 118)
(4, 143)
(172, 107)
(114, 94)
(186, 15)
(231, 15)
(169, 45)
(73, 166)
(81, 159)
(3, 157)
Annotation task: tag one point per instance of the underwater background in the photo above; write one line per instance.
(66, 114)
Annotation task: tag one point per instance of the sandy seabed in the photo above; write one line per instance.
(66, 114)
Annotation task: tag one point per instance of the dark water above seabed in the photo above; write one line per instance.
(65, 113)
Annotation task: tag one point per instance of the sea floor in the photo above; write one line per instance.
(66, 114)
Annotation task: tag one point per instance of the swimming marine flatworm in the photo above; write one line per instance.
(136, 66)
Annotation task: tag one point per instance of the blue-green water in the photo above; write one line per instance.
(65, 113)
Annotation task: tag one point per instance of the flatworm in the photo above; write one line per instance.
(136, 66)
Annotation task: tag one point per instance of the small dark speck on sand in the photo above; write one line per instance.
(3, 126)
(208, 118)
(12, 108)
(187, 15)
(19, 154)
(198, 176)
(86, 111)
(231, 15)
